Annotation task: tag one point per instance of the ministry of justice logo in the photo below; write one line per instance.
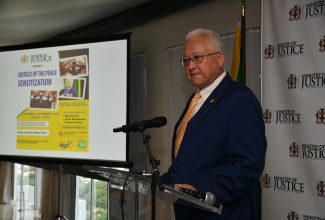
(267, 116)
(292, 81)
(266, 181)
(269, 52)
(309, 151)
(292, 216)
(294, 150)
(283, 183)
(310, 10)
(24, 59)
(322, 44)
(313, 80)
(287, 116)
(295, 13)
(306, 80)
(320, 116)
(313, 151)
(284, 49)
(315, 9)
(321, 189)
(290, 48)
(36, 58)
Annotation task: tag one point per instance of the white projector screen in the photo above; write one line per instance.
(61, 101)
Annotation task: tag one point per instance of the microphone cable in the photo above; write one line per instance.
(122, 194)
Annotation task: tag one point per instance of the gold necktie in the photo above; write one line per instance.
(186, 118)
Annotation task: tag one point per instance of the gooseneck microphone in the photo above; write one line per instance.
(209, 198)
(141, 125)
(206, 197)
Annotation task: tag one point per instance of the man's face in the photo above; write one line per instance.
(68, 83)
(202, 74)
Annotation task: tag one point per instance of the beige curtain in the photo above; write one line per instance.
(138, 110)
(5, 182)
(50, 194)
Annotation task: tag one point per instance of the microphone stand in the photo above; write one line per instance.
(156, 181)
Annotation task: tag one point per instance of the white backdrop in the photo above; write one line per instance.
(293, 95)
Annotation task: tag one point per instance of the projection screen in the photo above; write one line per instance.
(61, 100)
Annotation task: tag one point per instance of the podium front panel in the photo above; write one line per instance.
(133, 193)
(134, 196)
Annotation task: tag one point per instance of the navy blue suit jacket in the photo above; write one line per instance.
(223, 152)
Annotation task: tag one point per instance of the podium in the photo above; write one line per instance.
(132, 196)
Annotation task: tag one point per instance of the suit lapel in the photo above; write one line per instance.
(214, 98)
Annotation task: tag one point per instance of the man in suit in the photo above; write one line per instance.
(68, 91)
(221, 149)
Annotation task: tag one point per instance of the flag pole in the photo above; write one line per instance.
(242, 41)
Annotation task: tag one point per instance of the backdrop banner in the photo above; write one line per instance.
(293, 100)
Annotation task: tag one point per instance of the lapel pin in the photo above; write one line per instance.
(212, 101)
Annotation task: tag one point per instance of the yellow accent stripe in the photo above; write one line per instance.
(79, 88)
(235, 55)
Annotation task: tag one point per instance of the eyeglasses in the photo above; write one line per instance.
(196, 58)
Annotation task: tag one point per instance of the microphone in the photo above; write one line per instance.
(206, 197)
(141, 125)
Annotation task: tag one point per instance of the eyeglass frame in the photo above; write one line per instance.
(196, 58)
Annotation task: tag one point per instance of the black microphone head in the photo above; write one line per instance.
(161, 121)
(141, 125)
(156, 122)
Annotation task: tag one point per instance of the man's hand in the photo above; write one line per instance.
(186, 186)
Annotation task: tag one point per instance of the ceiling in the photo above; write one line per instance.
(26, 21)
(23, 21)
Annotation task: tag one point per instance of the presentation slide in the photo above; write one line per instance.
(62, 102)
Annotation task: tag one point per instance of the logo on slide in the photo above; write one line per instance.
(65, 145)
(24, 59)
(82, 144)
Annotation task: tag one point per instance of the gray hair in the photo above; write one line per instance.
(213, 36)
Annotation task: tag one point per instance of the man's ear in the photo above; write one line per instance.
(221, 58)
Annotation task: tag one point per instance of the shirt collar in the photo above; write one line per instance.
(205, 92)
